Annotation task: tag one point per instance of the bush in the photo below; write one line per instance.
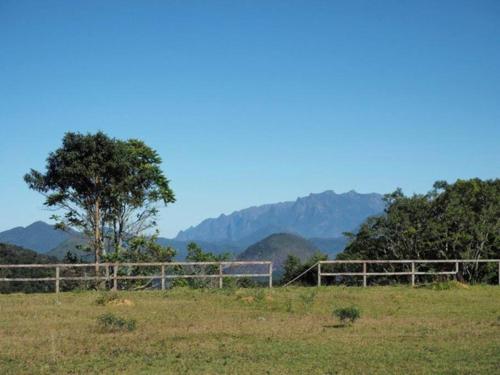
(106, 298)
(347, 314)
(112, 323)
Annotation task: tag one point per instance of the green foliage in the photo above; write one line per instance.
(196, 254)
(241, 282)
(106, 187)
(259, 294)
(308, 297)
(140, 249)
(11, 254)
(110, 323)
(294, 267)
(347, 314)
(453, 221)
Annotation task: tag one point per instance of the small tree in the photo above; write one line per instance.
(196, 254)
(294, 267)
(139, 249)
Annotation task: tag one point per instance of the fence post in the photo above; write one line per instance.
(115, 275)
(162, 277)
(456, 271)
(57, 279)
(498, 273)
(319, 273)
(220, 275)
(270, 274)
(364, 274)
(412, 273)
(107, 277)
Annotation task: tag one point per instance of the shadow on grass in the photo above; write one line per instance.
(335, 326)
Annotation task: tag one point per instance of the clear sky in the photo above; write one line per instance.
(252, 102)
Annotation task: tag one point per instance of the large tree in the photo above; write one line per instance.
(136, 192)
(106, 187)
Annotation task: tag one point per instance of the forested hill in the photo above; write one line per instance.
(278, 247)
(324, 215)
(12, 254)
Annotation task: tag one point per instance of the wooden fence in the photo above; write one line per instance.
(413, 264)
(111, 272)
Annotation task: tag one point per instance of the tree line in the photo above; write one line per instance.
(110, 190)
(458, 220)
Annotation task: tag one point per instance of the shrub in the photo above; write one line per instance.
(112, 323)
(106, 298)
(347, 314)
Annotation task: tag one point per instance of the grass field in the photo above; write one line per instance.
(256, 331)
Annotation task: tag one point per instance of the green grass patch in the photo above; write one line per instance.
(110, 323)
(254, 331)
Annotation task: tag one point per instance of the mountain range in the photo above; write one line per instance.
(324, 215)
(318, 218)
(38, 236)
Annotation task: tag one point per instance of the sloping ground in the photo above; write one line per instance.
(256, 331)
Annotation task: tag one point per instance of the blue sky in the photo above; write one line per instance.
(251, 102)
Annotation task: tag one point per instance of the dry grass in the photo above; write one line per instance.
(283, 331)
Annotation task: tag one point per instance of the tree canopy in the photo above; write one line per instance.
(106, 187)
(452, 221)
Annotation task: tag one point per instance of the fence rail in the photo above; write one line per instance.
(162, 276)
(413, 263)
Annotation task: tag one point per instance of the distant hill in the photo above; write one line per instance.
(44, 239)
(72, 245)
(324, 215)
(277, 247)
(38, 236)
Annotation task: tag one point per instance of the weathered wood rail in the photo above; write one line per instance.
(413, 264)
(111, 271)
(162, 276)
